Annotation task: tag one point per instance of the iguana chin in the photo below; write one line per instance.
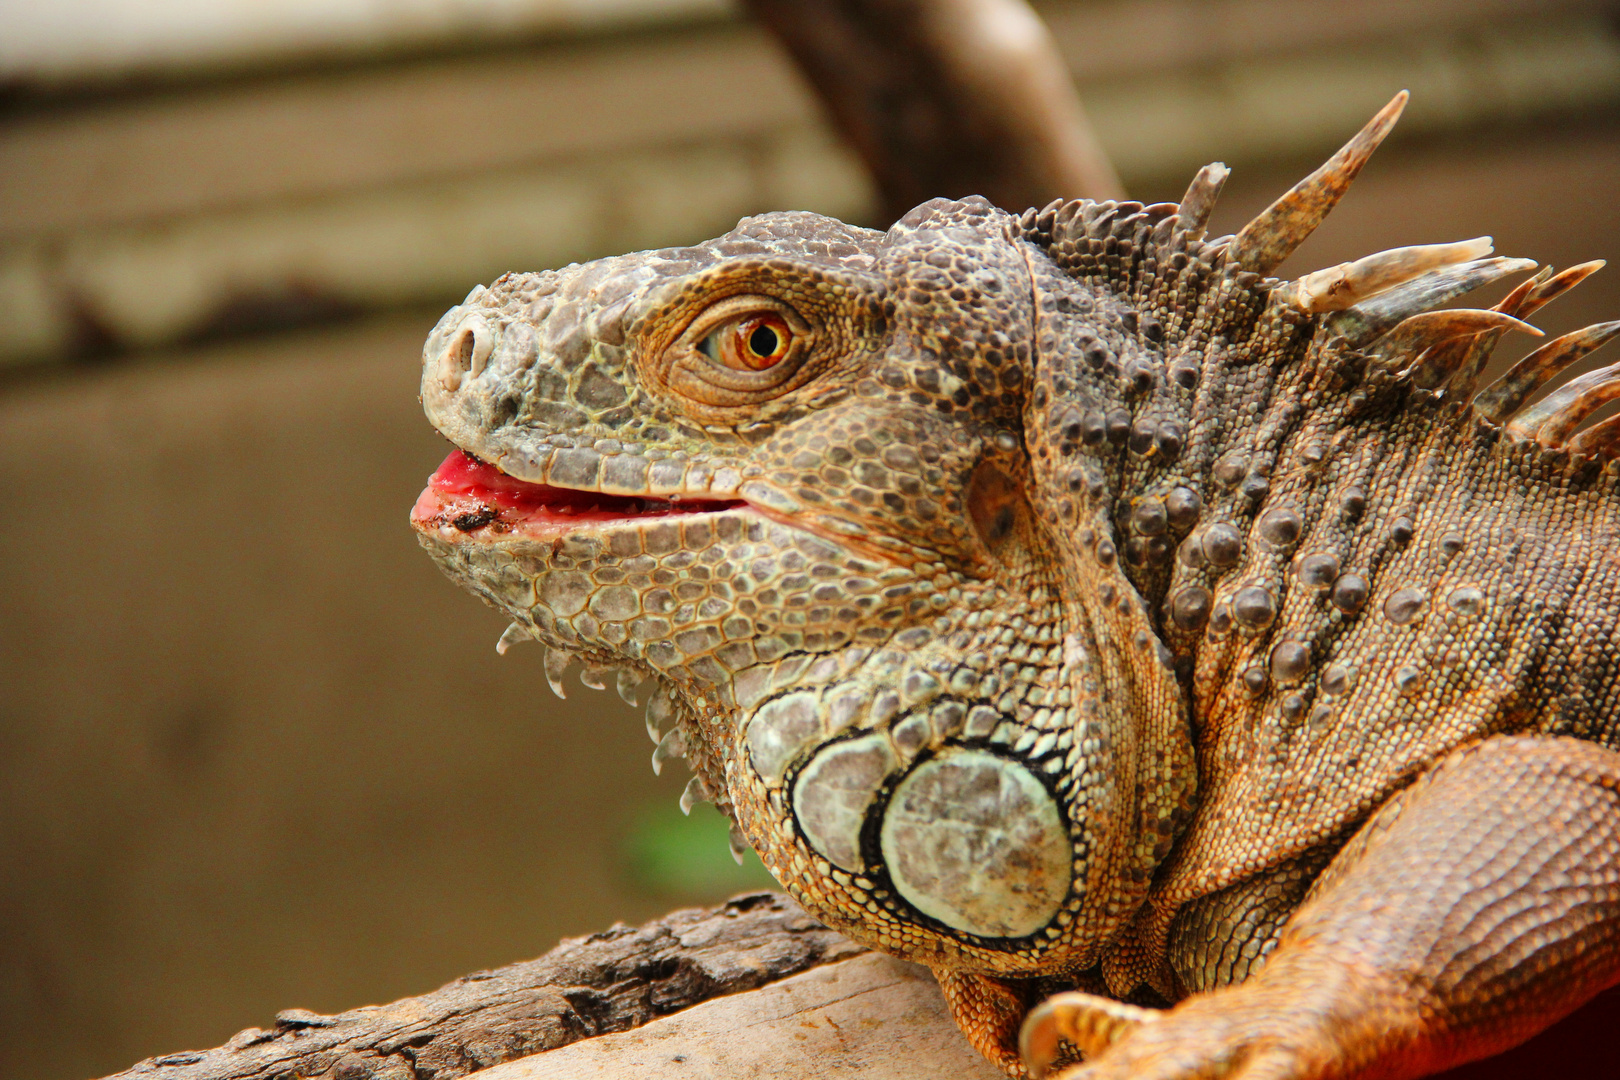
(1063, 603)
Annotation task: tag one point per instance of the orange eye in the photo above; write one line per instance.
(754, 343)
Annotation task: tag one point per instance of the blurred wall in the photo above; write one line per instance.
(254, 751)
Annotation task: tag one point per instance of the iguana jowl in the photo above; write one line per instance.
(1063, 603)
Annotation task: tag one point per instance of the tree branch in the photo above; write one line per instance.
(613, 981)
(947, 98)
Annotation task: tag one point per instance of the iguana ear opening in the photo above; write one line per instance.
(998, 509)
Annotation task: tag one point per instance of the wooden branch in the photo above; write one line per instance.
(947, 98)
(869, 1018)
(753, 988)
(609, 982)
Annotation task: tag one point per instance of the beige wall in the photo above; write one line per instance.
(138, 214)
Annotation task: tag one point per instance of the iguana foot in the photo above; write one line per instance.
(1087, 1022)
(991, 1010)
(1231, 1034)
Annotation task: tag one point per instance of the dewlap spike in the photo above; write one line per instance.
(557, 662)
(511, 636)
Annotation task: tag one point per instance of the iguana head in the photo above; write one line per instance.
(785, 474)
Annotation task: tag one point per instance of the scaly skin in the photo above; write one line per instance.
(1073, 606)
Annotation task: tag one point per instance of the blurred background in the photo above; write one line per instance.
(254, 751)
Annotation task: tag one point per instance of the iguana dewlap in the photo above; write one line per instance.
(1062, 602)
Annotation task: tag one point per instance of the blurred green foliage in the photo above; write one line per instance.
(688, 858)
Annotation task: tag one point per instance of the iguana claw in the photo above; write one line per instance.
(1086, 1021)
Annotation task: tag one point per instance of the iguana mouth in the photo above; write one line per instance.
(469, 495)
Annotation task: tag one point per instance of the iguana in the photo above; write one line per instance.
(1198, 664)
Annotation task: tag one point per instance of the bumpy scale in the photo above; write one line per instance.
(1063, 603)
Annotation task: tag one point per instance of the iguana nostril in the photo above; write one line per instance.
(466, 353)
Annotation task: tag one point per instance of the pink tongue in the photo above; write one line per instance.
(461, 474)
(465, 486)
(469, 494)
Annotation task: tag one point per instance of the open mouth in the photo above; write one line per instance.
(467, 495)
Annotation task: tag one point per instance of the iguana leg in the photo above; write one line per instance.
(1473, 910)
(989, 1012)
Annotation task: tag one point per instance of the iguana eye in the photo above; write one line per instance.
(753, 343)
(741, 350)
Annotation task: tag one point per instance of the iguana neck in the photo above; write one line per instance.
(1168, 427)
